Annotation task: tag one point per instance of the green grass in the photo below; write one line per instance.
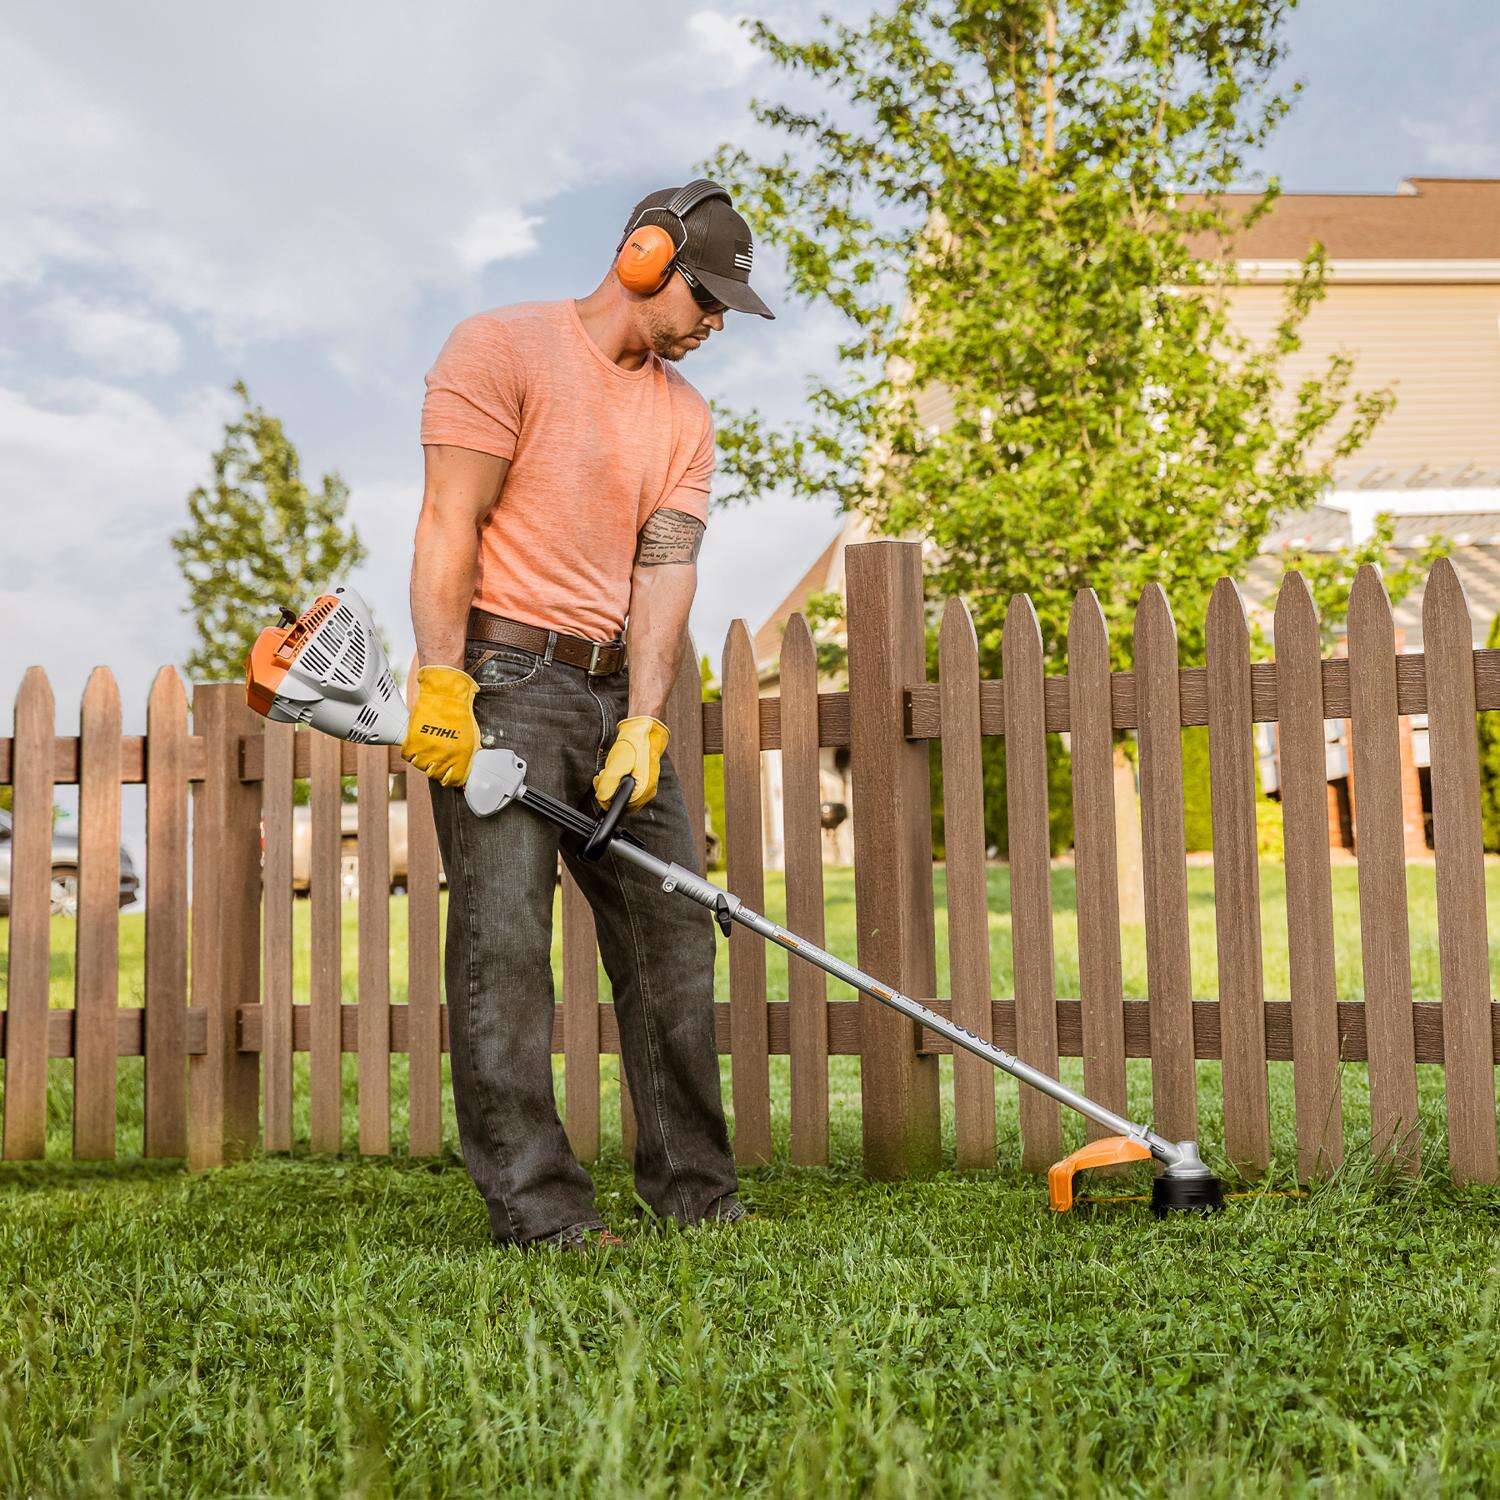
(327, 1326)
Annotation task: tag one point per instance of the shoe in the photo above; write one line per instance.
(727, 1210)
(580, 1237)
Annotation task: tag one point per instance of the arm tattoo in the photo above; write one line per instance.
(670, 536)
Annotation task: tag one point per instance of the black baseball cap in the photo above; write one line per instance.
(718, 249)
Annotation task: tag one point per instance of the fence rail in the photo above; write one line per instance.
(218, 1042)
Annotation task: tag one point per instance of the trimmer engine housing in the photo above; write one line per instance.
(326, 668)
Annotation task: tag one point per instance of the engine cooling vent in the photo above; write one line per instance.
(365, 724)
(337, 652)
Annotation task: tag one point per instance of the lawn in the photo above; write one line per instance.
(320, 1325)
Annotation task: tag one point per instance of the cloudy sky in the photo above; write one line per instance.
(310, 196)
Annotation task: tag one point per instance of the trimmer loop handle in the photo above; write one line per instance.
(604, 830)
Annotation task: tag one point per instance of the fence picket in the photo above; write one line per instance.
(1309, 882)
(1463, 923)
(802, 841)
(326, 994)
(968, 894)
(1380, 851)
(224, 1079)
(1095, 866)
(1232, 778)
(683, 715)
(167, 916)
(894, 922)
(424, 1075)
(580, 967)
(28, 975)
(1164, 858)
(372, 768)
(276, 927)
(97, 972)
(1026, 807)
(750, 1078)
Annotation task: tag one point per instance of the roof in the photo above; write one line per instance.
(1476, 554)
(1426, 218)
(766, 644)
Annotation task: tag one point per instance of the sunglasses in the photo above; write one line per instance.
(701, 295)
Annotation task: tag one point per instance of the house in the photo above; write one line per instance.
(1413, 296)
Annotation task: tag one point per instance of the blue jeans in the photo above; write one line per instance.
(658, 951)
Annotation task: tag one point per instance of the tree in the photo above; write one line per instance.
(257, 538)
(1018, 208)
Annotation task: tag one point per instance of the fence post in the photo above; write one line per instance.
(892, 854)
(223, 1082)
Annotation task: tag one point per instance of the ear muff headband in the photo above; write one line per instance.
(645, 254)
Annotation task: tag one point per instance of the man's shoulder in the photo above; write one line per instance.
(685, 394)
(516, 322)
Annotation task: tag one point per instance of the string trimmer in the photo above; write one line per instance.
(326, 668)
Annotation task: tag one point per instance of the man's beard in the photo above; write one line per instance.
(664, 344)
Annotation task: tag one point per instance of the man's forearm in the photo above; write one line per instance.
(442, 584)
(660, 599)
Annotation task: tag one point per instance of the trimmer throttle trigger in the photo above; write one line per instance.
(721, 914)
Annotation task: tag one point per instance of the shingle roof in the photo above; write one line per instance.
(766, 644)
(1426, 218)
(1476, 555)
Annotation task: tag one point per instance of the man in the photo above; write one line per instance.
(567, 477)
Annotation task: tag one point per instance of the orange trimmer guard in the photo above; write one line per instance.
(1106, 1153)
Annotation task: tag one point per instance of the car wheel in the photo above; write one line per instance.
(64, 894)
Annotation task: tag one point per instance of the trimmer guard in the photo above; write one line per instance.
(1104, 1153)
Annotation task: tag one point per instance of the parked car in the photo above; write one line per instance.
(348, 848)
(64, 899)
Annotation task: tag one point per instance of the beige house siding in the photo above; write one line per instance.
(1437, 346)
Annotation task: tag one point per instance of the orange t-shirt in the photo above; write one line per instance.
(593, 451)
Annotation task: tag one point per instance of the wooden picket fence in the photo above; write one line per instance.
(218, 1046)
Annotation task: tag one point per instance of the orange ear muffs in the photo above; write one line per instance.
(645, 258)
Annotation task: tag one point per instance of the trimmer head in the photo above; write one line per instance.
(1187, 1186)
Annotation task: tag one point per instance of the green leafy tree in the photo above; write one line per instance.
(257, 538)
(1018, 209)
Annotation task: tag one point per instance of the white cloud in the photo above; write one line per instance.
(116, 339)
(102, 474)
(1464, 140)
(497, 234)
(723, 44)
(86, 574)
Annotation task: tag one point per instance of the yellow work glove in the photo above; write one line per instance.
(636, 751)
(442, 733)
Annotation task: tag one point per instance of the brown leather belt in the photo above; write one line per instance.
(597, 658)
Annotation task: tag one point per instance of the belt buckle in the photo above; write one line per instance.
(594, 657)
